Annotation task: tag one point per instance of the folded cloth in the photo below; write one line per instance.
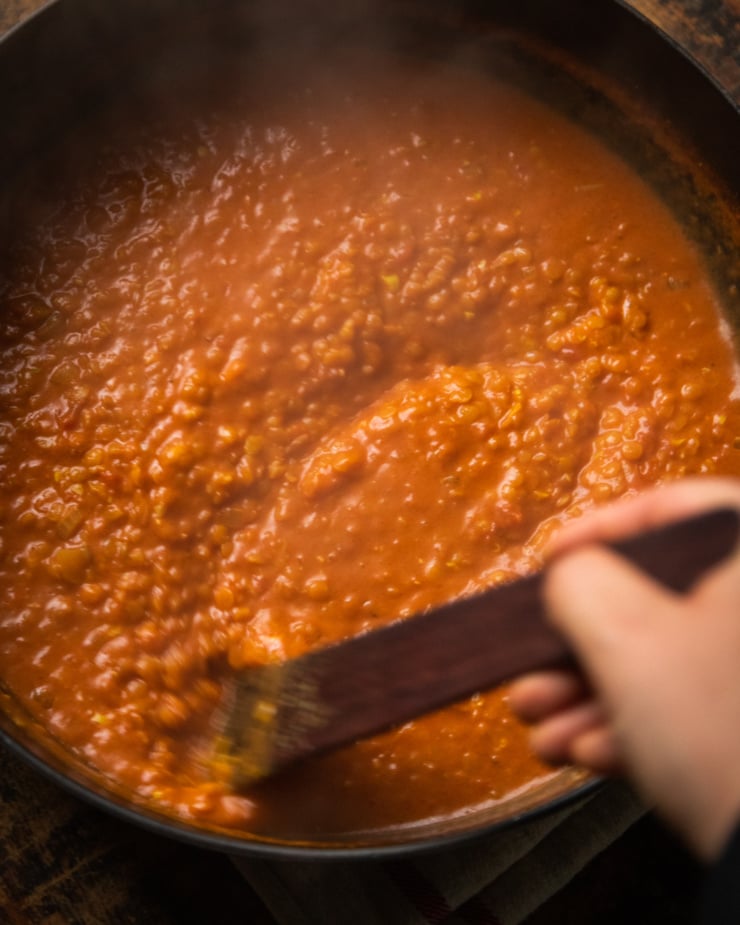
(496, 880)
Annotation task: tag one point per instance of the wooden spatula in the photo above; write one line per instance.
(281, 713)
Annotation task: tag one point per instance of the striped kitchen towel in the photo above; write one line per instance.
(496, 880)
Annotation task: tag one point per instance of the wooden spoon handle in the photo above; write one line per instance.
(356, 688)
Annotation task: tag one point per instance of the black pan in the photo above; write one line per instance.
(675, 119)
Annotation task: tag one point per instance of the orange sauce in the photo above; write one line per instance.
(288, 368)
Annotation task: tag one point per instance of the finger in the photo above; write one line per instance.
(650, 509)
(598, 750)
(537, 695)
(553, 739)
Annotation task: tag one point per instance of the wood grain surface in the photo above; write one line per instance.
(64, 863)
(13, 11)
(708, 29)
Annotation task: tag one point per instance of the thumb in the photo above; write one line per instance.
(610, 611)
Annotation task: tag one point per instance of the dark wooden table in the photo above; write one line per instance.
(64, 863)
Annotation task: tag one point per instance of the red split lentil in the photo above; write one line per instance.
(286, 368)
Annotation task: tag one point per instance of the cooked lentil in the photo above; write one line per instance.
(282, 370)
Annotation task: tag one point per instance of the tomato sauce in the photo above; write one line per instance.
(284, 368)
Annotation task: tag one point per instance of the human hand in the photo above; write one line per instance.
(660, 694)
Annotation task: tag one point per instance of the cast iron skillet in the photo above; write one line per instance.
(595, 59)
